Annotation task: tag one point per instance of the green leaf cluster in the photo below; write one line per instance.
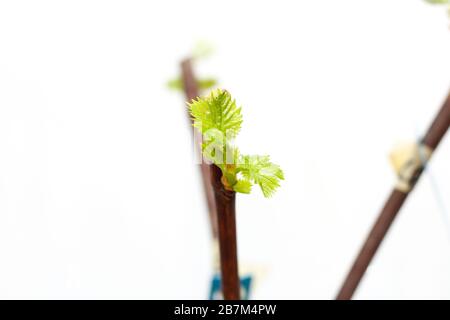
(219, 120)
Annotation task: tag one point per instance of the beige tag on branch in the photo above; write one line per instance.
(408, 160)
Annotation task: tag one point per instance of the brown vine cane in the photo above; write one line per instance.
(226, 217)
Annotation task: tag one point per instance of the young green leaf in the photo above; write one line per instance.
(243, 186)
(175, 84)
(203, 84)
(259, 170)
(206, 83)
(217, 111)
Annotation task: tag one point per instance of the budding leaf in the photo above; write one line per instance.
(217, 111)
(219, 119)
(203, 84)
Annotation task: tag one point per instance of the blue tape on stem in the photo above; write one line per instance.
(215, 292)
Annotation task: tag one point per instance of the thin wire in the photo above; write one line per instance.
(440, 201)
(444, 213)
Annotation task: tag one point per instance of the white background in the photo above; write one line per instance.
(98, 194)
